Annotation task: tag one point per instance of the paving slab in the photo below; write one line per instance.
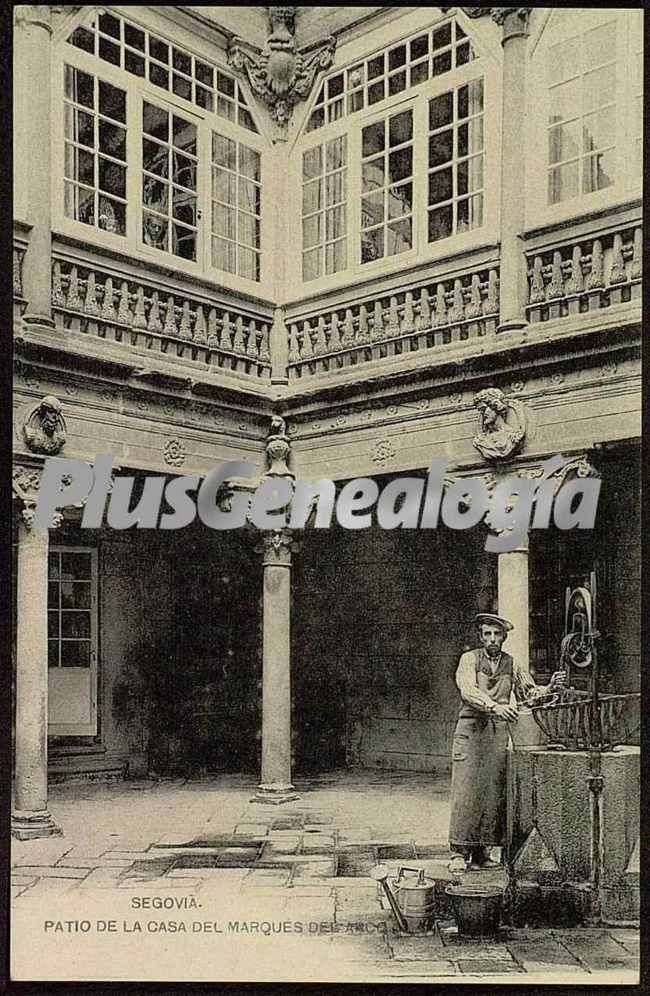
(543, 955)
(477, 966)
(416, 948)
(316, 868)
(416, 970)
(596, 950)
(360, 947)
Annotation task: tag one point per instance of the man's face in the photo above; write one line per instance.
(492, 637)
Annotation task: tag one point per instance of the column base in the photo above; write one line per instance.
(36, 320)
(27, 825)
(275, 794)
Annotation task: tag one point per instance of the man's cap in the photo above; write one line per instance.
(491, 619)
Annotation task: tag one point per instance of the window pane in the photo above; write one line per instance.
(109, 25)
(245, 119)
(75, 624)
(400, 200)
(397, 57)
(563, 182)
(224, 151)
(470, 213)
(372, 245)
(564, 60)
(396, 83)
(182, 87)
(442, 36)
(376, 92)
(400, 164)
(400, 129)
(184, 135)
(203, 72)
(600, 44)
(440, 186)
(182, 61)
(224, 221)
(312, 163)
(79, 165)
(249, 230)
(373, 138)
(109, 51)
(79, 204)
(441, 147)
(470, 99)
(441, 111)
(75, 653)
(225, 85)
(79, 87)
(372, 210)
(376, 67)
(336, 153)
(334, 223)
(336, 256)
(155, 122)
(311, 231)
(224, 186)
(112, 178)
(158, 76)
(419, 47)
(112, 140)
(53, 565)
(84, 39)
(112, 102)
(226, 108)
(599, 130)
(203, 98)
(80, 126)
(184, 206)
(564, 142)
(598, 171)
(335, 86)
(599, 88)
(311, 264)
(249, 264)
(440, 223)
(565, 101)
(76, 566)
(75, 595)
(184, 171)
(154, 231)
(399, 237)
(373, 174)
(470, 175)
(134, 63)
(183, 242)
(52, 653)
(249, 162)
(312, 196)
(53, 625)
(134, 37)
(249, 196)
(155, 158)
(442, 63)
(52, 595)
(158, 49)
(112, 215)
(419, 73)
(335, 188)
(224, 255)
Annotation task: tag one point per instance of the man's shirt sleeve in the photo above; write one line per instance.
(524, 685)
(469, 690)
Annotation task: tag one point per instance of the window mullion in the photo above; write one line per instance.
(420, 164)
(134, 166)
(354, 197)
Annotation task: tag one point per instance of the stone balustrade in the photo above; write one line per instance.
(422, 318)
(91, 302)
(18, 297)
(585, 274)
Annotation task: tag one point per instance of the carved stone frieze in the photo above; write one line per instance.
(383, 452)
(174, 452)
(280, 74)
(44, 428)
(501, 425)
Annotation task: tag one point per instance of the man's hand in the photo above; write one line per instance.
(558, 680)
(507, 712)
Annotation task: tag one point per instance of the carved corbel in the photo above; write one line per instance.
(278, 449)
(280, 75)
(44, 429)
(502, 425)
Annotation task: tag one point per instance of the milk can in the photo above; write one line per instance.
(411, 897)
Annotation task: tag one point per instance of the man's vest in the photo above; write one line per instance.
(498, 685)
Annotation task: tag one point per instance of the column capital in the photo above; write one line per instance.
(514, 21)
(25, 482)
(277, 547)
(38, 14)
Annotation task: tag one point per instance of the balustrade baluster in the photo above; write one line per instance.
(320, 345)
(185, 327)
(124, 315)
(306, 351)
(200, 331)
(58, 297)
(335, 335)
(155, 323)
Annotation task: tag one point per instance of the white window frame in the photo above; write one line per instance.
(626, 185)
(132, 243)
(417, 98)
(83, 729)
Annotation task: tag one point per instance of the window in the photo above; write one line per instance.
(396, 69)
(169, 165)
(455, 185)
(387, 187)
(582, 83)
(398, 169)
(72, 641)
(236, 207)
(324, 210)
(141, 53)
(70, 609)
(170, 176)
(95, 152)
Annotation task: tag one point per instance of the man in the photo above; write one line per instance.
(490, 683)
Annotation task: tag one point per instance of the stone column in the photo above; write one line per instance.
(275, 786)
(513, 601)
(32, 77)
(513, 291)
(30, 816)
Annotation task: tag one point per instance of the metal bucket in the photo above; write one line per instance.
(477, 910)
(415, 896)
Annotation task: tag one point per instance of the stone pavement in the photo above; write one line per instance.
(305, 864)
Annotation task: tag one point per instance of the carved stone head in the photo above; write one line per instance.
(44, 428)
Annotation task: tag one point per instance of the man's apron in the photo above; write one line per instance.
(478, 771)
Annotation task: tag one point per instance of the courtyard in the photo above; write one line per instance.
(179, 878)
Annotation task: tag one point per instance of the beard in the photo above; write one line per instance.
(493, 651)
